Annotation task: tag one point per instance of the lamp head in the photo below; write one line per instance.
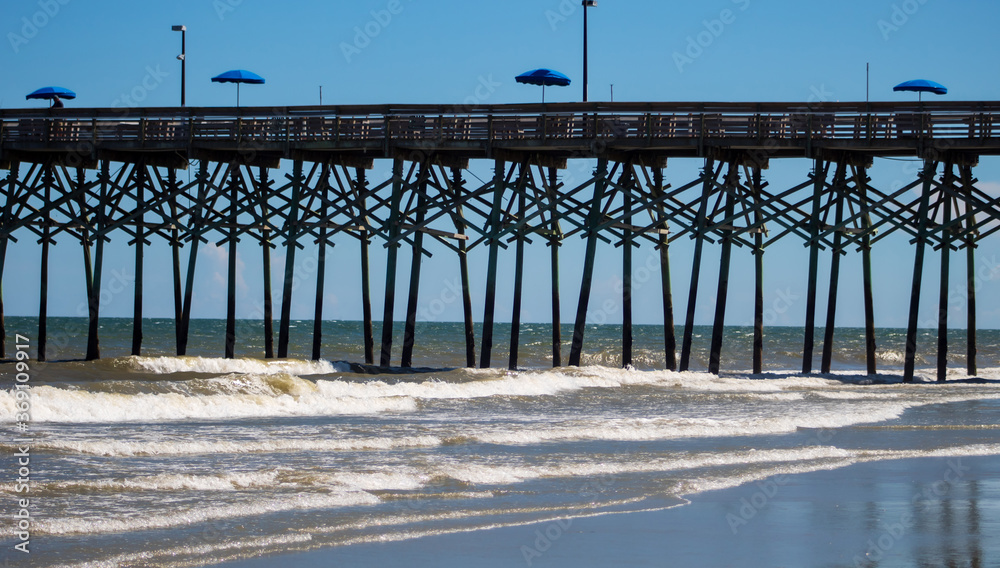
(179, 28)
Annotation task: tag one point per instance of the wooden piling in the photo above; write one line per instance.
(385, 357)
(366, 294)
(3, 263)
(515, 318)
(192, 258)
(719, 323)
(946, 237)
(139, 171)
(413, 295)
(265, 245)
(709, 176)
(819, 180)
(840, 180)
(43, 285)
(463, 266)
(593, 220)
(861, 181)
(13, 171)
(94, 270)
(317, 342)
(758, 269)
(175, 255)
(491, 269)
(291, 244)
(909, 362)
(554, 242)
(627, 183)
(231, 282)
(970, 273)
(669, 337)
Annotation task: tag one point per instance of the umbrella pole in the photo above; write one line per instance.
(237, 95)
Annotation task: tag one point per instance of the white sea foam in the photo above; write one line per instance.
(212, 365)
(397, 479)
(92, 524)
(54, 404)
(489, 474)
(123, 447)
(169, 557)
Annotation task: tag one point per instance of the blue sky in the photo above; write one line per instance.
(451, 52)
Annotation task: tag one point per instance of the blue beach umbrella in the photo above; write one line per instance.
(922, 86)
(543, 77)
(50, 94)
(238, 76)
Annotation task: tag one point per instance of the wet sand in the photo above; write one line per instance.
(907, 512)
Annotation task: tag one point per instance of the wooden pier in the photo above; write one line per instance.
(59, 182)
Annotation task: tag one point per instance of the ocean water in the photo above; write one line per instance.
(157, 460)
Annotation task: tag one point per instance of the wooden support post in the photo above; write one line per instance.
(515, 318)
(946, 238)
(196, 218)
(970, 273)
(13, 173)
(3, 262)
(43, 285)
(234, 185)
(699, 243)
(390, 267)
(669, 337)
(840, 179)
(554, 242)
(819, 180)
(593, 222)
(463, 266)
(413, 295)
(866, 265)
(499, 186)
(320, 286)
(265, 246)
(323, 188)
(627, 182)
(719, 324)
(94, 270)
(366, 294)
(758, 269)
(175, 255)
(139, 171)
(909, 361)
(291, 244)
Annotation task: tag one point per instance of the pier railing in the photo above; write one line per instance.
(93, 173)
(646, 124)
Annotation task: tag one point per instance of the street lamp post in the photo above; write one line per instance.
(182, 57)
(586, 4)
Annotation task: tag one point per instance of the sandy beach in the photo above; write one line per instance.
(909, 512)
